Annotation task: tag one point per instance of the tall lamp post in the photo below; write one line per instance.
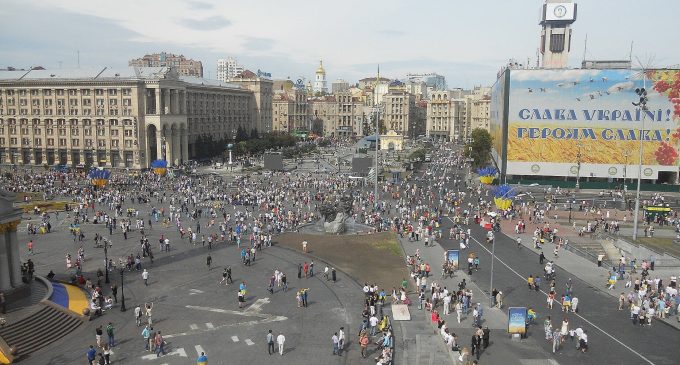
(642, 104)
(106, 261)
(377, 136)
(122, 290)
(578, 165)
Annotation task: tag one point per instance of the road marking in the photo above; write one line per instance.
(179, 352)
(199, 350)
(210, 326)
(195, 291)
(262, 318)
(234, 338)
(193, 327)
(249, 342)
(576, 314)
(257, 306)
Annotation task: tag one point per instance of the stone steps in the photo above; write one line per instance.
(42, 328)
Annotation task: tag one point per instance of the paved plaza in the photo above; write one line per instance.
(196, 313)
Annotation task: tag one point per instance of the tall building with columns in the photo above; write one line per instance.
(115, 118)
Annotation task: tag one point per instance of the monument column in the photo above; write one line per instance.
(5, 283)
(14, 260)
(10, 264)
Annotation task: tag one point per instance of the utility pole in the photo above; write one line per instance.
(578, 165)
(642, 104)
(377, 134)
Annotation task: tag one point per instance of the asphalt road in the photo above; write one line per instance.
(612, 336)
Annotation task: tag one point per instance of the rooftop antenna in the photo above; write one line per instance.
(630, 54)
(585, 47)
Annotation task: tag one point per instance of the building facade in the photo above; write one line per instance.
(184, 66)
(290, 111)
(478, 103)
(399, 113)
(261, 104)
(228, 68)
(114, 118)
(446, 116)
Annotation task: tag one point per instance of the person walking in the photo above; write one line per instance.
(145, 276)
(363, 343)
(270, 343)
(146, 334)
(30, 248)
(208, 261)
(114, 291)
(280, 340)
(341, 340)
(336, 341)
(109, 334)
(91, 355)
(160, 344)
(202, 360)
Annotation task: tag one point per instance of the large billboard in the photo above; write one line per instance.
(560, 119)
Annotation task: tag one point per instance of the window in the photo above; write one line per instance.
(114, 133)
(25, 141)
(113, 102)
(127, 92)
(37, 131)
(88, 143)
(87, 131)
(48, 102)
(22, 92)
(50, 141)
(112, 91)
(60, 92)
(72, 92)
(113, 111)
(23, 102)
(87, 111)
(35, 111)
(13, 141)
(127, 102)
(73, 102)
(87, 102)
(75, 142)
(50, 131)
(60, 103)
(86, 92)
(47, 92)
(128, 143)
(101, 143)
(73, 112)
(2, 141)
(114, 143)
(62, 142)
(62, 131)
(99, 92)
(100, 103)
(75, 131)
(128, 133)
(38, 142)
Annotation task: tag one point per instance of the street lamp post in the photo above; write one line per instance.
(642, 93)
(106, 261)
(493, 256)
(122, 289)
(377, 134)
(578, 165)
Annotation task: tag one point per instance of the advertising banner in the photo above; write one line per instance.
(567, 122)
(452, 256)
(517, 319)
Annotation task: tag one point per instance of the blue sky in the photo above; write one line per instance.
(467, 41)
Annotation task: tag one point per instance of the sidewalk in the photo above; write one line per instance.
(573, 263)
(422, 342)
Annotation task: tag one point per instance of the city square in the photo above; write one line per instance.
(163, 201)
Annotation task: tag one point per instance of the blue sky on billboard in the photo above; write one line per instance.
(465, 41)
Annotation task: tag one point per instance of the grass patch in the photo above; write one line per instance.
(389, 243)
(45, 206)
(660, 244)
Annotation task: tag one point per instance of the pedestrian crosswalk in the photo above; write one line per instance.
(181, 352)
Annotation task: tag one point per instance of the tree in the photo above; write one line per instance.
(254, 134)
(241, 134)
(480, 147)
